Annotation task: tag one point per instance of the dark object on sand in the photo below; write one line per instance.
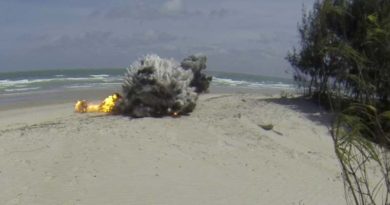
(267, 127)
(197, 63)
(155, 87)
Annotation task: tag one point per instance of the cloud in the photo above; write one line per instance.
(98, 49)
(172, 7)
(138, 11)
(32, 37)
(145, 39)
(93, 33)
(98, 41)
(248, 61)
(154, 36)
(88, 41)
(219, 13)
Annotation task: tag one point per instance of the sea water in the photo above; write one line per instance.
(73, 79)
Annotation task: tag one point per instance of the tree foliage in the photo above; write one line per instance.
(345, 46)
(344, 54)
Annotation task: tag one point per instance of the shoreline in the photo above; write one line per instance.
(53, 97)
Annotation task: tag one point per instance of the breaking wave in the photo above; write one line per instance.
(21, 89)
(242, 83)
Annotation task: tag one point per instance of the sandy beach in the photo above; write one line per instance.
(217, 155)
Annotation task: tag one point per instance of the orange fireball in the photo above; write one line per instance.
(107, 106)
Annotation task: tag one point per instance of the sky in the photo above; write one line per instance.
(245, 36)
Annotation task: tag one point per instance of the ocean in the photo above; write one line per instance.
(74, 79)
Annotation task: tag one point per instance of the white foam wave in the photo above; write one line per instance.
(80, 86)
(21, 89)
(100, 76)
(74, 79)
(30, 81)
(90, 85)
(113, 79)
(242, 83)
(13, 82)
(110, 83)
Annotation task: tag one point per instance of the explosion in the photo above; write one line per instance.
(155, 87)
(106, 106)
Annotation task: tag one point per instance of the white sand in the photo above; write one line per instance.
(217, 155)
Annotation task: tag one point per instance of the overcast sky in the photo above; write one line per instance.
(248, 36)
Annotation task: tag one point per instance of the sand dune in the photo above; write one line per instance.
(217, 155)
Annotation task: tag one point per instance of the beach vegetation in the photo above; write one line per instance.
(345, 48)
(343, 61)
(361, 137)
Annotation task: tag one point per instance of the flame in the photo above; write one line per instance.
(107, 106)
(175, 114)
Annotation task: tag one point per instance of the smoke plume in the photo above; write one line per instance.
(154, 86)
(197, 63)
